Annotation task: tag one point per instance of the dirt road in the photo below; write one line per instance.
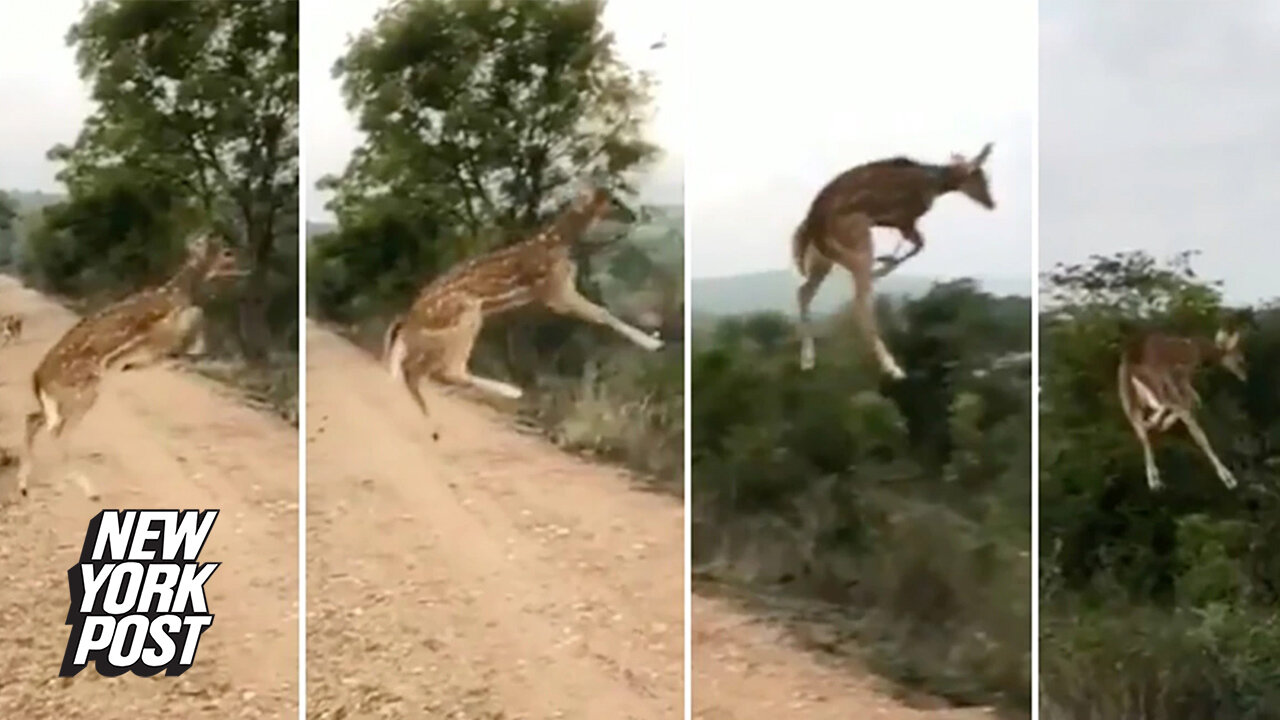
(483, 575)
(161, 439)
(747, 668)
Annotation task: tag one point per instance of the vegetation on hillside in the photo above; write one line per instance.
(1155, 605)
(481, 119)
(195, 122)
(903, 509)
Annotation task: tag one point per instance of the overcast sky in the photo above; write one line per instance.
(1159, 126)
(44, 101)
(329, 131)
(790, 94)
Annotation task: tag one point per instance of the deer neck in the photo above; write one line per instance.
(573, 223)
(1207, 350)
(187, 280)
(943, 178)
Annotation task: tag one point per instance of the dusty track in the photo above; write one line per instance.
(483, 575)
(163, 439)
(748, 668)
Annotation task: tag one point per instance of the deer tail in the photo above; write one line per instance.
(1125, 387)
(393, 348)
(801, 246)
(38, 419)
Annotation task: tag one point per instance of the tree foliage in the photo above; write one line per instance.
(7, 212)
(479, 118)
(195, 120)
(1180, 584)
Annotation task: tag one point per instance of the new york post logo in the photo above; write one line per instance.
(137, 594)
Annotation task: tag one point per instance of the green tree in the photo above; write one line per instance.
(8, 233)
(7, 212)
(479, 116)
(203, 96)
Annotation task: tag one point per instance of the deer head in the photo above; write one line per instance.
(971, 179)
(601, 204)
(1229, 353)
(213, 256)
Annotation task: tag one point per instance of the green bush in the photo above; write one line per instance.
(1155, 605)
(906, 505)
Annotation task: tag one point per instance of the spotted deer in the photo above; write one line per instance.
(1155, 375)
(148, 327)
(436, 336)
(10, 328)
(891, 193)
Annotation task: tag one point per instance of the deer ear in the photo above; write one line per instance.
(981, 157)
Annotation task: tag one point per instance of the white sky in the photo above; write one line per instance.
(786, 96)
(42, 97)
(1159, 124)
(790, 94)
(329, 132)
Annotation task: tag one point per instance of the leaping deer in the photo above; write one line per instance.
(436, 336)
(145, 328)
(1155, 375)
(10, 328)
(892, 193)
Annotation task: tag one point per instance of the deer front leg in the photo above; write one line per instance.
(562, 297)
(1198, 435)
(889, 263)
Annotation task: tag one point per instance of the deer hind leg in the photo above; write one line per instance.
(411, 374)
(560, 295)
(1138, 391)
(1198, 435)
(816, 269)
(854, 253)
(60, 411)
(1148, 400)
(456, 345)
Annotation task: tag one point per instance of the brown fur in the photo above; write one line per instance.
(1155, 375)
(11, 328)
(142, 329)
(837, 229)
(437, 334)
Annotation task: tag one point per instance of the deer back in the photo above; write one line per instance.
(1163, 351)
(892, 193)
(91, 344)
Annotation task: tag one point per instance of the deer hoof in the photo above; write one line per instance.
(806, 353)
(1227, 478)
(886, 267)
(1153, 481)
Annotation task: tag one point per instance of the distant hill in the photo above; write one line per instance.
(315, 228)
(29, 200)
(775, 290)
